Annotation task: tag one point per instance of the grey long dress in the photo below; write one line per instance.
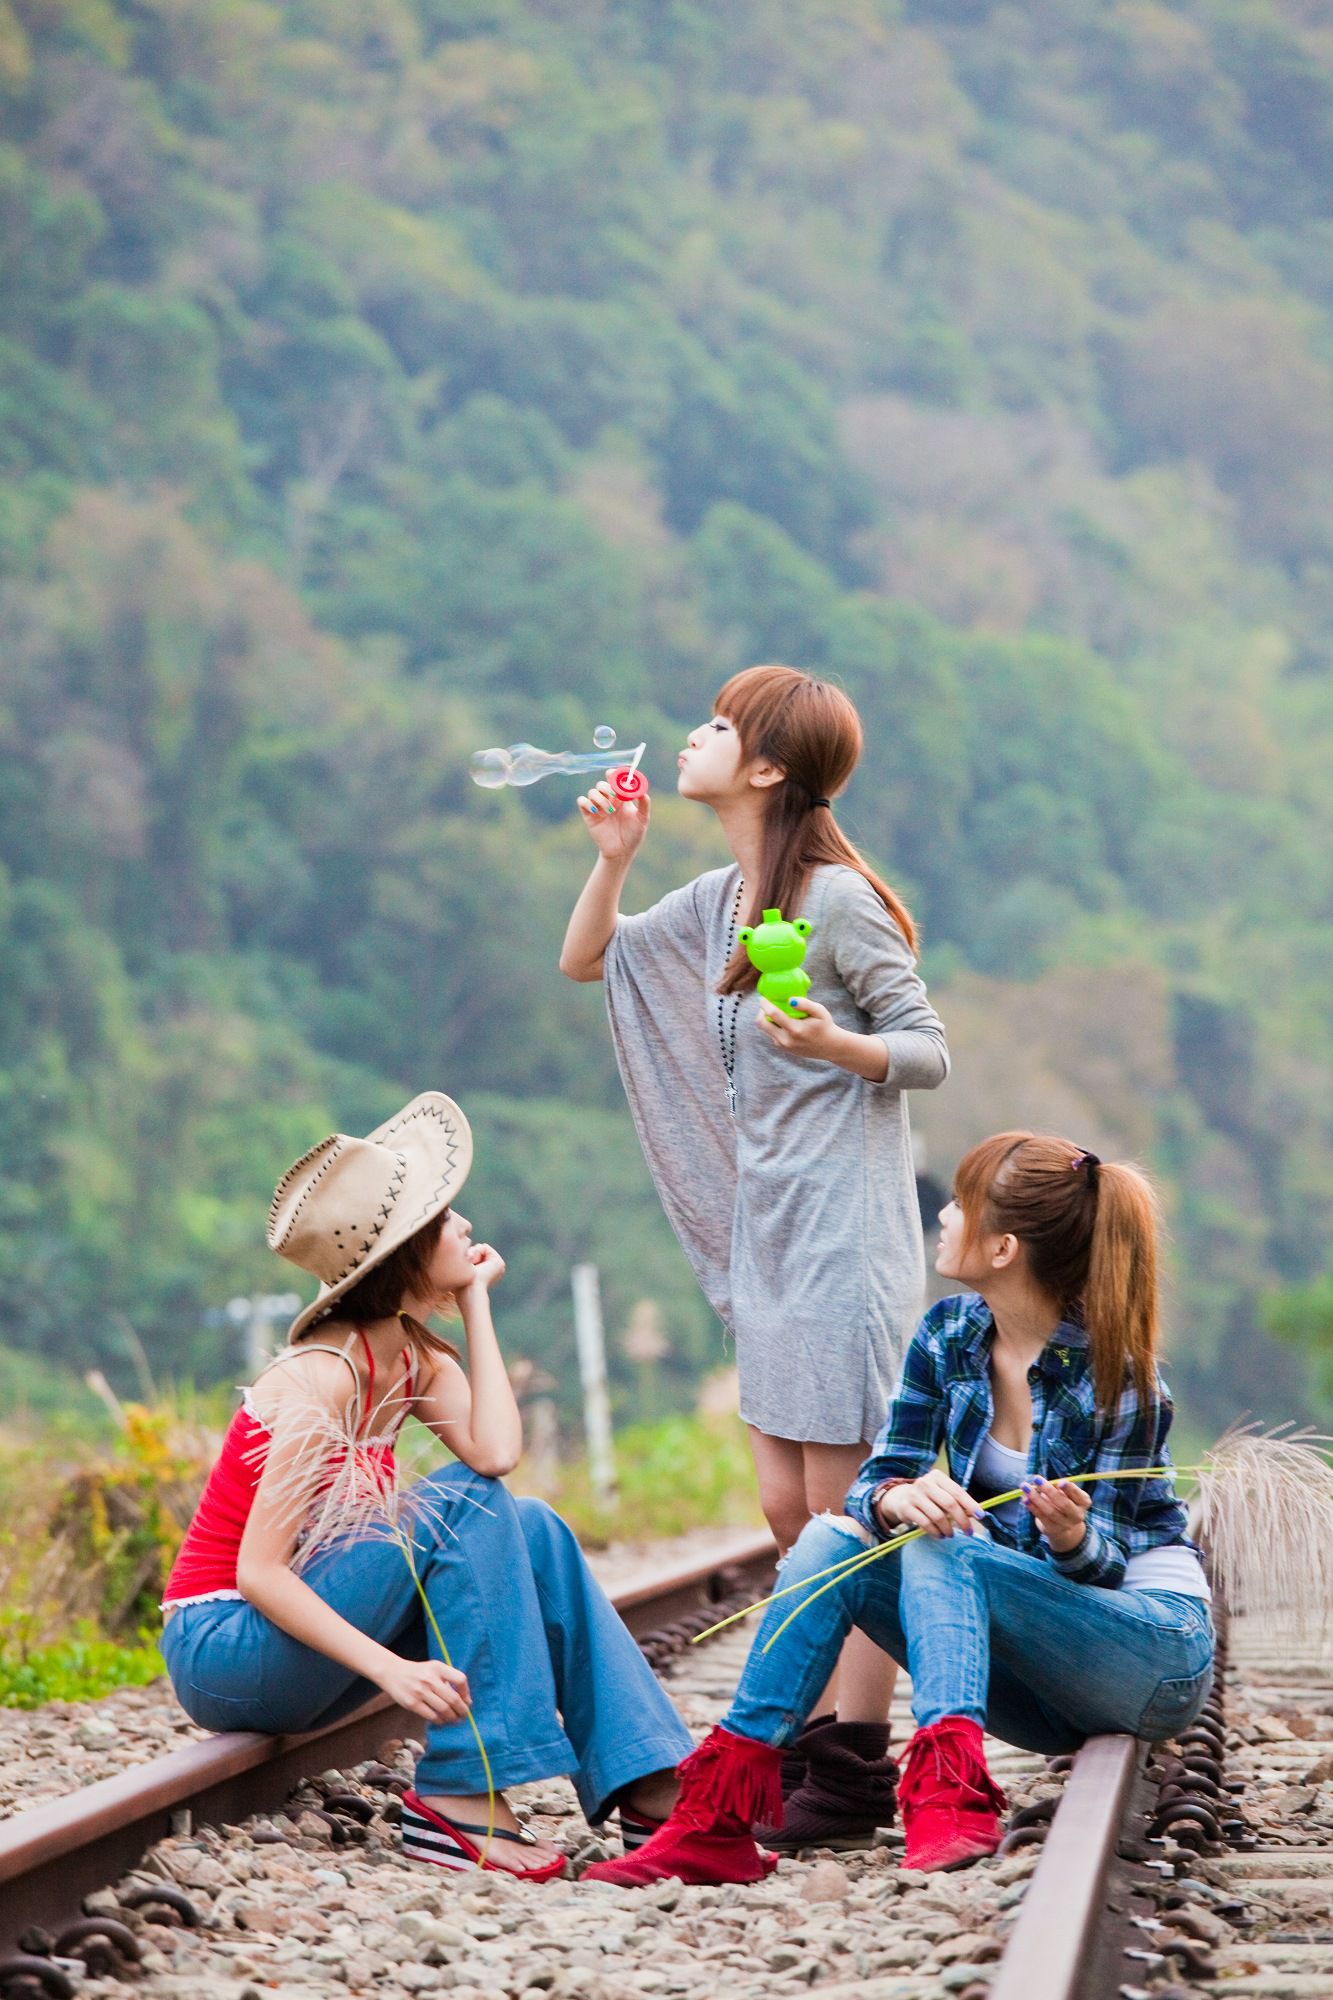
(799, 1215)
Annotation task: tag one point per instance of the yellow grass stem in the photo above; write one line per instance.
(836, 1571)
(405, 1545)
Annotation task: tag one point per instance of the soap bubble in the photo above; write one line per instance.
(527, 763)
(492, 768)
(524, 763)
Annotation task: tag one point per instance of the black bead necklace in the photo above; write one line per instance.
(726, 1030)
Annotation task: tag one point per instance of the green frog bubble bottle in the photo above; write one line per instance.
(777, 949)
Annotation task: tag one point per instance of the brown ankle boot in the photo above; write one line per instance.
(796, 1756)
(849, 1790)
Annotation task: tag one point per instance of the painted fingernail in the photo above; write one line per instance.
(1039, 1481)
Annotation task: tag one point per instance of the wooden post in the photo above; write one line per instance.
(592, 1374)
(256, 1318)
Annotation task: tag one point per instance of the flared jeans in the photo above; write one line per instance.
(985, 1632)
(558, 1685)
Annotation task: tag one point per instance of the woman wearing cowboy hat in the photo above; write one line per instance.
(293, 1598)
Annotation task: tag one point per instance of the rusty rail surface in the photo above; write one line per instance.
(52, 1855)
(1062, 1945)
(1050, 1948)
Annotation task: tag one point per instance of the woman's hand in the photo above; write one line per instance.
(426, 1688)
(934, 1502)
(488, 1267)
(1059, 1510)
(617, 825)
(814, 1032)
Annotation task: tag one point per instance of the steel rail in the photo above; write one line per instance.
(52, 1855)
(1051, 1944)
(1052, 1949)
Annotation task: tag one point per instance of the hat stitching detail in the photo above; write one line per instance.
(431, 1206)
(421, 1111)
(432, 1200)
(394, 1190)
(334, 1147)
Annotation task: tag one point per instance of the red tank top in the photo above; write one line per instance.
(206, 1563)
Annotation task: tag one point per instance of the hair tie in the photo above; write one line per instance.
(820, 802)
(1088, 1160)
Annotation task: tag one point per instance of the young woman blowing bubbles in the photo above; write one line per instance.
(1072, 1611)
(780, 1143)
(290, 1603)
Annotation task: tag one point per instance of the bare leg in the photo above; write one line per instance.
(796, 1481)
(862, 1686)
(655, 1795)
(780, 1466)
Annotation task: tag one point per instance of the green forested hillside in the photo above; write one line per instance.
(380, 379)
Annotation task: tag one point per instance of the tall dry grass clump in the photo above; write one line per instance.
(1265, 1501)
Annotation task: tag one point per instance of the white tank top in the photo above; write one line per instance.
(998, 1470)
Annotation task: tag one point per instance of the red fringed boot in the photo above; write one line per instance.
(948, 1798)
(727, 1785)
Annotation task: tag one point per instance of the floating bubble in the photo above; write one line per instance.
(491, 768)
(527, 763)
(604, 736)
(524, 763)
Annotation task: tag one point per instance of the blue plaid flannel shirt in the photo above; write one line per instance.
(944, 1398)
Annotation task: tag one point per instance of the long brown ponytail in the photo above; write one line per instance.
(812, 732)
(1090, 1230)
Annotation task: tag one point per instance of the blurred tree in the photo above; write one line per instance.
(760, 587)
(1234, 383)
(377, 382)
(1303, 1317)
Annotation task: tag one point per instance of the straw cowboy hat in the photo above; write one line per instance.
(350, 1202)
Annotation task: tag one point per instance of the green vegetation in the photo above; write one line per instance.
(34, 1395)
(1303, 1317)
(378, 382)
(89, 1535)
(80, 1668)
(681, 1473)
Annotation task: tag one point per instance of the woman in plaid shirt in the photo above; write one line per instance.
(1064, 1613)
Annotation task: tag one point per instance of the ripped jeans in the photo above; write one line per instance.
(985, 1632)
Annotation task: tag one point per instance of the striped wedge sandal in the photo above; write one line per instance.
(457, 1844)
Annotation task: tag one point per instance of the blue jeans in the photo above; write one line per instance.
(558, 1685)
(985, 1632)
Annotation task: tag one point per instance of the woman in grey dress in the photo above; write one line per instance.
(780, 1143)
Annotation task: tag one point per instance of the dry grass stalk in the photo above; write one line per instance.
(1266, 1512)
(332, 1485)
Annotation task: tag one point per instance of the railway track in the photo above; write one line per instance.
(52, 1856)
(1205, 1866)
